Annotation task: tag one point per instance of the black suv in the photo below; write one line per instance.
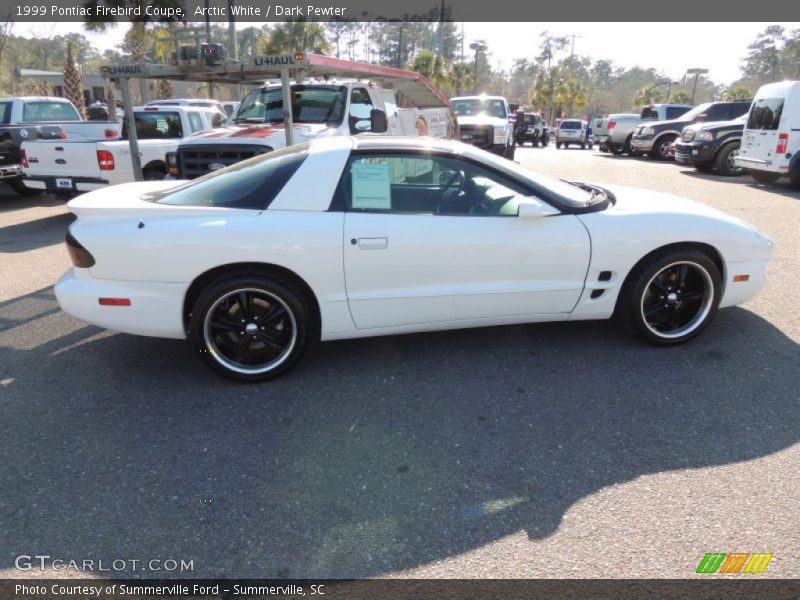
(531, 128)
(712, 146)
(655, 138)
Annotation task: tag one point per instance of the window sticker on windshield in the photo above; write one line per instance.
(371, 188)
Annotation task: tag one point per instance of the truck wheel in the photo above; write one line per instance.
(545, 140)
(558, 145)
(535, 142)
(627, 148)
(724, 161)
(583, 146)
(765, 176)
(616, 150)
(794, 176)
(154, 174)
(23, 190)
(660, 149)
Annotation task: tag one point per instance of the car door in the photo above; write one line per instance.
(431, 239)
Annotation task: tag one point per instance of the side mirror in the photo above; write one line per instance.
(378, 121)
(533, 208)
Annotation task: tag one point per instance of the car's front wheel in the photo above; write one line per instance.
(671, 296)
(725, 160)
(660, 149)
(250, 328)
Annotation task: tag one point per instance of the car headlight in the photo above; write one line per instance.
(499, 135)
(648, 131)
(704, 136)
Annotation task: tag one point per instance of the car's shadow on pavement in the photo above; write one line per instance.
(372, 455)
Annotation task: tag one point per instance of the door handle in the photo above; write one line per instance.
(376, 243)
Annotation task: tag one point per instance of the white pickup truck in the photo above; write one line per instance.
(321, 108)
(68, 167)
(53, 110)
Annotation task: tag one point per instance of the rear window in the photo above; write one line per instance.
(766, 113)
(252, 184)
(570, 125)
(45, 110)
(673, 112)
(648, 112)
(155, 125)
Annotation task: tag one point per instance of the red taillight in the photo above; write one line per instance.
(110, 133)
(114, 301)
(783, 142)
(105, 160)
(24, 158)
(79, 255)
(611, 125)
(62, 135)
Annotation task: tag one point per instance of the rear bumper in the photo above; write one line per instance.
(79, 184)
(156, 309)
(10, 171)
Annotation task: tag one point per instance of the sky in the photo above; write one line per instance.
(668, 47)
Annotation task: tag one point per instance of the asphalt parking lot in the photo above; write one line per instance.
(555, 450)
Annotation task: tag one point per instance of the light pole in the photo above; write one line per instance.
(669, 83)
(572, 51)
(478, 46)
(696, 72)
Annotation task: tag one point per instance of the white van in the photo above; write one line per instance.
(771, 141)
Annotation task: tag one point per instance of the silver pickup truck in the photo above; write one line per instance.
(603, 125)
(618, 140)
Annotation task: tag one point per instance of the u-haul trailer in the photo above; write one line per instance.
(415, 88)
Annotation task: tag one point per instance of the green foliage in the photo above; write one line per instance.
(296, 36)
(738, 91)
(649, 94)
(681, 97)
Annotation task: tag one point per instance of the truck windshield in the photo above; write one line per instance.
(695, 112)
(46, 110)
(476, 106)
(322, 104)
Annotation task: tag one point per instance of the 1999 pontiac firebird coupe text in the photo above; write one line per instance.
(346, 237)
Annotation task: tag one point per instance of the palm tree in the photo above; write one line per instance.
(430, 65)
(296, 36)
(460, 77)
(681, 97)
(648, 95)
(738, 91)
(570, 93)
(73, 86)
(137, 37)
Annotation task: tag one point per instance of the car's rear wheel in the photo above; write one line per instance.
(558, 145)
(250, 328)
(765, 176)
(794, 176)
(724, 161)
(671, 296)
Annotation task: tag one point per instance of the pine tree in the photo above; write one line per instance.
(73, 86)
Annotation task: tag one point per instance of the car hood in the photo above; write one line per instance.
(714, 125)
(482, 119)
(125, 201)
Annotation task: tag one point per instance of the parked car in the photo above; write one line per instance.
(771, 137)
(329, 108)
(621, 133)
(533, 129)
(52, 110)
(68, 167)
(655, 138)
(483, 122)
(11, 139)
(709, 146)
(573, 131)
(351, 237)
(604, 125)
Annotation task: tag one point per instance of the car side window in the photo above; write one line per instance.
(360, 110)
(195, 122)
(433, 185)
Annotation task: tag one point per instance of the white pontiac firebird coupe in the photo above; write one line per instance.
(346, 237)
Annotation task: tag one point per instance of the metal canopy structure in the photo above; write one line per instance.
(412, 88)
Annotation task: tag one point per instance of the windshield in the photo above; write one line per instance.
(253, 183)
(695, 112)
(155, 125)
(476, 106)
(564, 193)
(322, 104)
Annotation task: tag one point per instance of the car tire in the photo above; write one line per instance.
(660, 149)
(23, 190)
(558, 145)
(627, 147)
(616, 150)
(275, 320)
(535, 142)
(583, 146)
(765, 176)
(154, 174)
(671, 296)
(545, 140)
(724, 160)
(794, 176)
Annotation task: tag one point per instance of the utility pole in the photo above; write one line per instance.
(573, 36)
(208, 41)
(234, 43)
(696, 72)
(478, 46)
